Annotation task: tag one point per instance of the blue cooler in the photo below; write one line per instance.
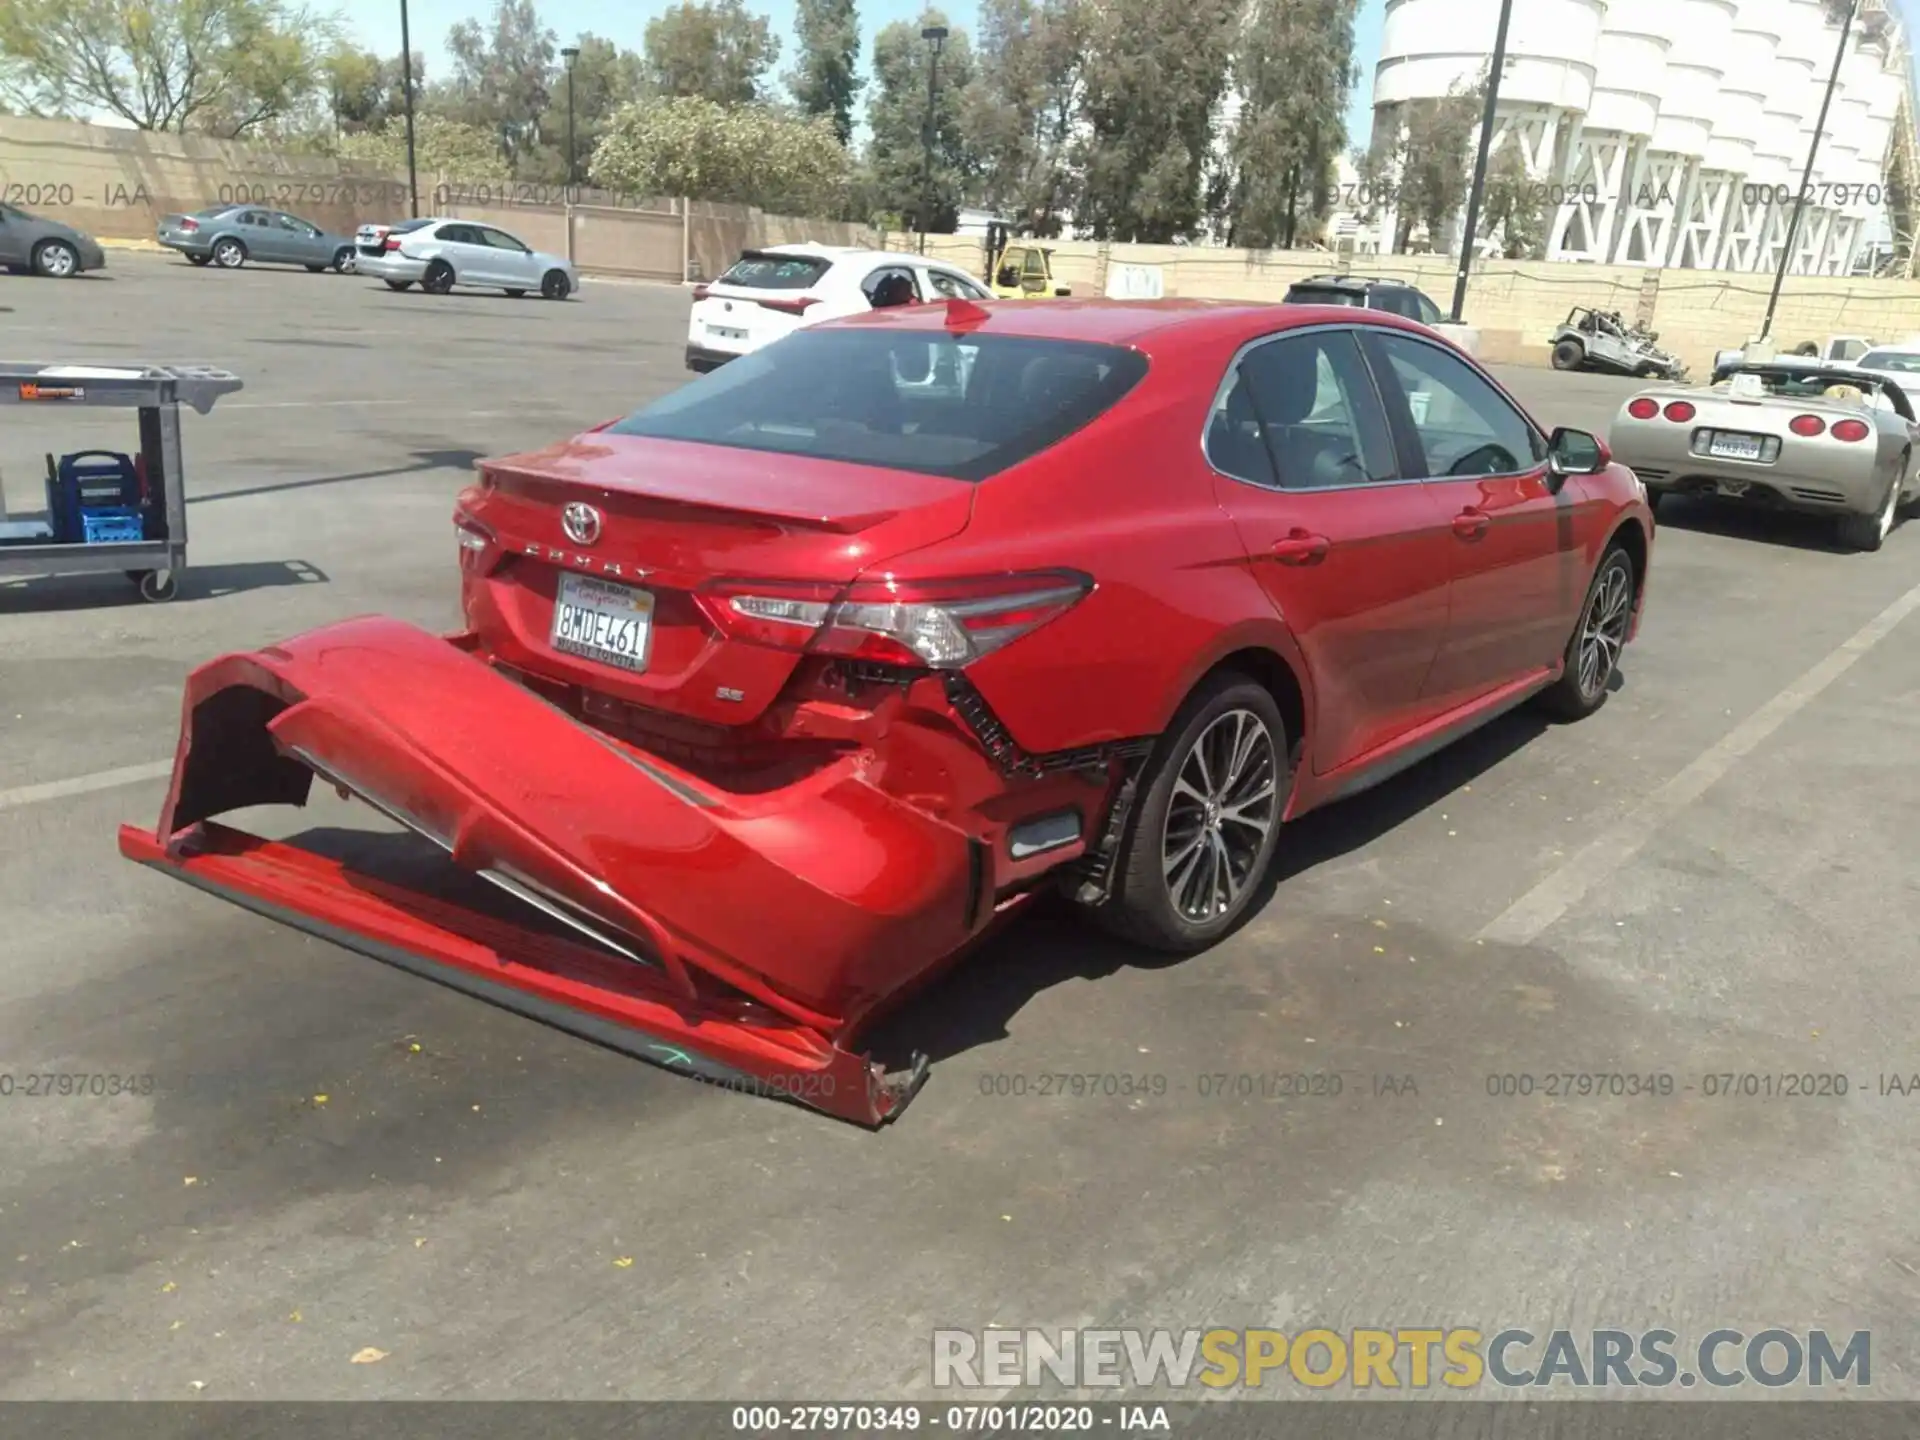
(88, 482)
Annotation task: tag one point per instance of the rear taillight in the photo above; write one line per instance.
(1851, 431)
(791, 305)
(940, 625)
(700, 292)
(476, 542)
(1680, 412)
(189, 225)
(393, 243)
(1643, 408)
(1807, 426)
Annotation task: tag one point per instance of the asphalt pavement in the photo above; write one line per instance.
(322, 1157)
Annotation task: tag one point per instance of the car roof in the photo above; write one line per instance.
(1153, 326)
(1348, 282)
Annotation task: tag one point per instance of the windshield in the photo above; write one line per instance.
(1900, 362)
(964, 407)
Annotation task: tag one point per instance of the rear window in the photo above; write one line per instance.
(1312, 295)
(964, 407)
(407, 227)
(775, 272)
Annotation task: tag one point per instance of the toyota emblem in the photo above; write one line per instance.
(581, 522)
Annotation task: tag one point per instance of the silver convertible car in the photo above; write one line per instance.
(1800, 436)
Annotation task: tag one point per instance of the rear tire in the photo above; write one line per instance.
(399, 284)
(1569, 355)
(1867, 533)
(439, 278)
(1203, 835)
(554, 285)
(1599, 635)
(198, 259)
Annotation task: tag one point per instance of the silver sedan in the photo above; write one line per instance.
(1807, 437)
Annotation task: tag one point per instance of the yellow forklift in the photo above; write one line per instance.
(1018, 269)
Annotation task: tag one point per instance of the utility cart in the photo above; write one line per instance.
(108, 511)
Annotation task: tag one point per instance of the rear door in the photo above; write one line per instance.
(261, 236)
(1352, 554)
(1517, 575)
(471, 257)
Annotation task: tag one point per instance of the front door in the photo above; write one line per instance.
(1353, 556)
(1517, 574)
(470, 256)
(13, 237)
(511, 262)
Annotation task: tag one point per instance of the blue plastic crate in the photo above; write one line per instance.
(108, 527)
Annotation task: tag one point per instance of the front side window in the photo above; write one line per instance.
(1465, 427)
(500, 240)
(1302, 413)
(890, 285)
(916, 400)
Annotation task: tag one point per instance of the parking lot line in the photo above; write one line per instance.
(1528, 917)
(84, 784)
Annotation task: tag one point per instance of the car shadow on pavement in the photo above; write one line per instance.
(1735, 521)
(423, 461)
(51, 593)
(1051, 944)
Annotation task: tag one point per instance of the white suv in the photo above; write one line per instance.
(773, 292)
(439, 254)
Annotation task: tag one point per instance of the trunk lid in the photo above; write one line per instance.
(676, 527)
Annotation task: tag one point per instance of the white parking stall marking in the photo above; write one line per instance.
(84, 784)
(1528, 917)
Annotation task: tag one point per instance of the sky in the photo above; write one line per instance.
(376, 24)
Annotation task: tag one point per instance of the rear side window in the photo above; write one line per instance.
(965, 407)
(775, 272)
(407, 227)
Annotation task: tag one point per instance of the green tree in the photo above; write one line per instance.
(897, 115)
(232, 67)
(605, 77)
(1155, 72)
(502, 78)
(713, 49)
(745, 154)
(363, 90)
(826, 78)
(441, 147)
(1515, 207)
(1019, 112)
(1420, 157)
(1293, 71)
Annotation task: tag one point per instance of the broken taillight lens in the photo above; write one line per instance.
(945, 625)
(393, 244)
(939, 625)
(476, 542)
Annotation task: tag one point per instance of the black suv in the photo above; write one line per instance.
(1366, 292)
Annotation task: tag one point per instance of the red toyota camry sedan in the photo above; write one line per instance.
(774, 695)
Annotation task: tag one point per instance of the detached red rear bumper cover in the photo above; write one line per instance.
(745, 939)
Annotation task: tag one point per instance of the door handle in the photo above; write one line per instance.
(1302, 548)
(1471, 524)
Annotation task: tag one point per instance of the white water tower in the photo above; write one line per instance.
(1700, 34)
(1610, 142)
(1717, 204)
(1431, 49)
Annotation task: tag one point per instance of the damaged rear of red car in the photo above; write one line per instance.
(707, 727)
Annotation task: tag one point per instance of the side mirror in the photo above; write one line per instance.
(1574, 452)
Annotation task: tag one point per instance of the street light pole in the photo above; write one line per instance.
(572, 53)
(406, 71)
(934, 35)
(1479, 191)
(1806, 177)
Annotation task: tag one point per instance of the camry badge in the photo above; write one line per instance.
(581, 522)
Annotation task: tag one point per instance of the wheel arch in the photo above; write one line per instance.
(1269, 657)
(1630, 536)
